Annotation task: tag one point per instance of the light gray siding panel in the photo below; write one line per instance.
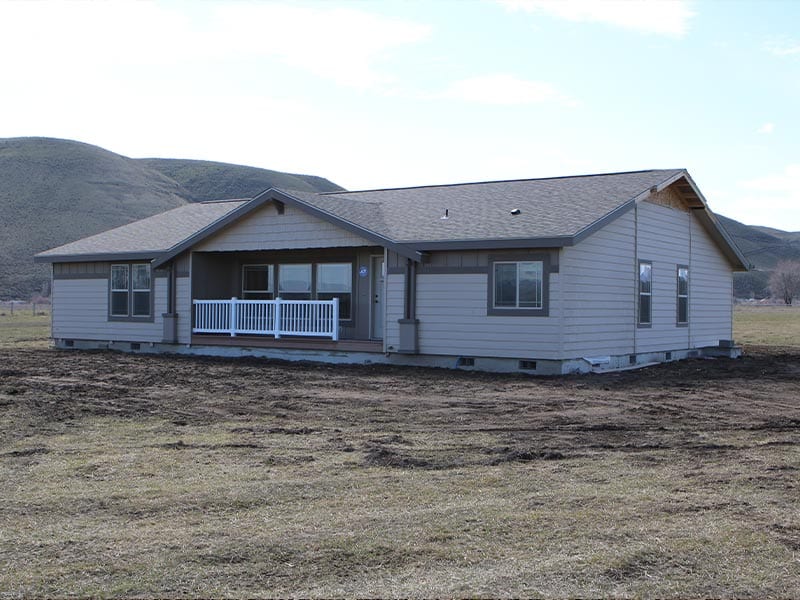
(183, 306)
(664, 239)
(265, 229)
(80, 311)
(451, 309)
(710, 291)
(394, 309)
(599, 292)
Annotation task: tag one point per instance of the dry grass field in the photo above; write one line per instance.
(137, 476)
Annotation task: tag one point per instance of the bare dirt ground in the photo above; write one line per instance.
(673, 406)
(677, 480)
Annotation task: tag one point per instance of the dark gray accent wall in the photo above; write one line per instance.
(218, 275)
(90, 270)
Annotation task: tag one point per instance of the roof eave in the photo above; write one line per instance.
(709, 220)
(97, 257)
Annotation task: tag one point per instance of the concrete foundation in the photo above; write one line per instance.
(531, 366)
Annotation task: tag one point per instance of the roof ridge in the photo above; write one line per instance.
(219, 201)
(445, 185)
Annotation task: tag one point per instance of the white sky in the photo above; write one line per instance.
(413, 92)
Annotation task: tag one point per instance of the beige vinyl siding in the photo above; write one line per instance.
(183, 306)
(599, 292)
(394, 289)
(80, 311)
(266, 229)
(451, 309)
(663, 238)
(710, 292)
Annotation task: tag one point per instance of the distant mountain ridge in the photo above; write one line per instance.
(54, 191)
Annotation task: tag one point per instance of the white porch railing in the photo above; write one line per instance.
(317, 318)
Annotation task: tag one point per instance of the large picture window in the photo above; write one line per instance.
(645, 293)
(683, 295)
(257, 282)
(335, 280)
(131, 290)
(518, 285)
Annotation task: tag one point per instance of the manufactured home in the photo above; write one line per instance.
(545, 276)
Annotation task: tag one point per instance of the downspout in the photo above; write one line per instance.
(636, 278)
(689, 283)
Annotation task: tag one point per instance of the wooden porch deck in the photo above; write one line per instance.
(288, 343)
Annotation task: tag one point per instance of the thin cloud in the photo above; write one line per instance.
(766, 128)
(345, 45)
(505, 89)
(663, 17)
(783, 46)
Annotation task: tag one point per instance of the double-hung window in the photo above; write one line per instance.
(294, 282)
(335, 280)
(683, 295)
(645, 293)
(257, 282)
(131, 290)
(518, 285)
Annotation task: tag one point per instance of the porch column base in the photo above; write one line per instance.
(408, 336)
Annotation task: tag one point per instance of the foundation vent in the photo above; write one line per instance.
(465, 361)
(527, 365)
(135, 345)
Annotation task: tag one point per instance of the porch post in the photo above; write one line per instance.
(278, 318)
(335, 322)
(233, 317)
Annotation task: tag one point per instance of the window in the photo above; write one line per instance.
(257, 282)
(294, 282)
(130, 290)
(140, 304)
(119, 290)
(518, 285)
(645, 293)
(335, 280)
(683, 295)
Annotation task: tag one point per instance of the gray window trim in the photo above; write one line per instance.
(542, 257)
(129, 318)
(678, 322)
(270, 279)
(639, 323)
(353, 284)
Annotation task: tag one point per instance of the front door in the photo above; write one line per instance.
(376, 318)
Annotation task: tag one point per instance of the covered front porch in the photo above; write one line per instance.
(325, 299)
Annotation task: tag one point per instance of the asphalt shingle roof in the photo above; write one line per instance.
(153, 235)
(548, 209)
(482, 211)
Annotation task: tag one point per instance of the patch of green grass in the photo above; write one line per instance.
(767, 325)
(24, 329)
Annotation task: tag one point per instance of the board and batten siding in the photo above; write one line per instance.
(183, 308)
(266, 229)
(599, 291)
(664, 239)
(80, 311)
(394, 289)
(710, 292)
